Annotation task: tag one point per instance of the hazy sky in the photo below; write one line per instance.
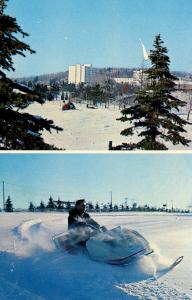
(152, 179)
(102, 32)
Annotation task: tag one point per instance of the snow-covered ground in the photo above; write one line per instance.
(89, 129)
(83, 128)
(32, 268)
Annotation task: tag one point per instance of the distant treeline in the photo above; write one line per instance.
(110, 72)
(65, 206)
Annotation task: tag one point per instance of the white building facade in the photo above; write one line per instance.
(77, 73)
(138, 78)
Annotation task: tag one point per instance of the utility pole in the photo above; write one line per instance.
(3, 196)
(111, 205)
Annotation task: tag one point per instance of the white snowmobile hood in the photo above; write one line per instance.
(116, 244)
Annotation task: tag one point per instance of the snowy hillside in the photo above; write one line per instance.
(84, 129)
(32, 268)
(89, 129)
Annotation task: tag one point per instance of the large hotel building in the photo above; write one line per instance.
(84, 74)
(78, 73)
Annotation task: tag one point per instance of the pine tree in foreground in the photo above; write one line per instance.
(18, 130)
(153, 114)
(8, 205)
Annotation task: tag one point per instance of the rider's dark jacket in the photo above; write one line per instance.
(76, 220)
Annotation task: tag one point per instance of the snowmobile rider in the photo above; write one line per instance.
(81, 226)
(78, 217)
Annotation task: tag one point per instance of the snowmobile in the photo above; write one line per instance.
(115, 246)
(68, 106)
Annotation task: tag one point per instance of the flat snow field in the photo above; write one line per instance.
(89, 129)
(32, 268)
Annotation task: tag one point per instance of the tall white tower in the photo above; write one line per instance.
(77, 73)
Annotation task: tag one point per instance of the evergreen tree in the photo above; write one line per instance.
(94, 94)
(18, 130)
(31, 206)
(51, 204)
(115, 208)
(59, 204)
(146, 208)
(122, 207)
(55, 88)
(153, 112)
(90, 206)
(8, 205)
(108, 92)
(134, 206)
(139, 208)
(97, 207)
(127, 208)
(42, 206)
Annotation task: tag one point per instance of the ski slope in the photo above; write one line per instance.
(32, 268)
(90, 129)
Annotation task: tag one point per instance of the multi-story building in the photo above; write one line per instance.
(77, 73)
(72, 74)
(138, 78)
(122, 80)
(85, 74)
(94, 76)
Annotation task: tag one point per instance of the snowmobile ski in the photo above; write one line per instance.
(169, 268)
(176, 262)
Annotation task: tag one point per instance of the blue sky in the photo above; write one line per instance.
(153, 179)
(102, 32)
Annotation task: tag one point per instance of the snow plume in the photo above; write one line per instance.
(147, 266)
(32, 236)
(161, 262)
